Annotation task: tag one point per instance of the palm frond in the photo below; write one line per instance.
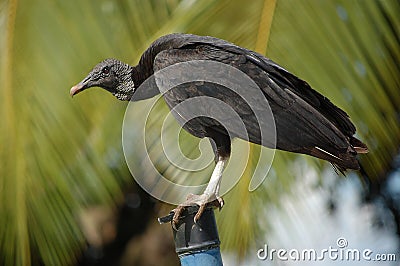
(59, 156)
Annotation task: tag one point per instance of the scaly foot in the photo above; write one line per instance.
(202, 201)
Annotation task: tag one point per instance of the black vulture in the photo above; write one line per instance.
(306, 122)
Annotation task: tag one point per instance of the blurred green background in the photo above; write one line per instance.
(65, 191)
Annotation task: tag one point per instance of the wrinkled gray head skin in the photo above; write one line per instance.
(111, 75)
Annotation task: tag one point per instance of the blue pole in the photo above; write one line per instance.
(196, 243)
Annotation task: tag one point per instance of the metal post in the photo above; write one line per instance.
(196, 243)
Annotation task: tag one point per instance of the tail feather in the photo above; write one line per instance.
(358, 146)
(338, 169)
(340, 161)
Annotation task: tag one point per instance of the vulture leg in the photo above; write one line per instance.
(210, 196)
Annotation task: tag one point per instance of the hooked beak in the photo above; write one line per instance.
(84, 84)
(77, 89)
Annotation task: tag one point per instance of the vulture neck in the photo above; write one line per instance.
(144, 70)
(145, 86)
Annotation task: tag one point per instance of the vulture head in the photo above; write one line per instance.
(111, 75)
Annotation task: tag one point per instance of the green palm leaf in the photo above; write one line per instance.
(60, 156)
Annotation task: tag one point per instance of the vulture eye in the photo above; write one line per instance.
(105, 70)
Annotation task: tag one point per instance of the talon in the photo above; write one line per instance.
(199, 213)
(221, 203)
(177, 213)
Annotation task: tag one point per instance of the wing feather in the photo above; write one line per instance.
(306, 121)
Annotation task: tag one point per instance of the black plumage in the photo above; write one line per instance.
(296, 107)
(306, 121)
